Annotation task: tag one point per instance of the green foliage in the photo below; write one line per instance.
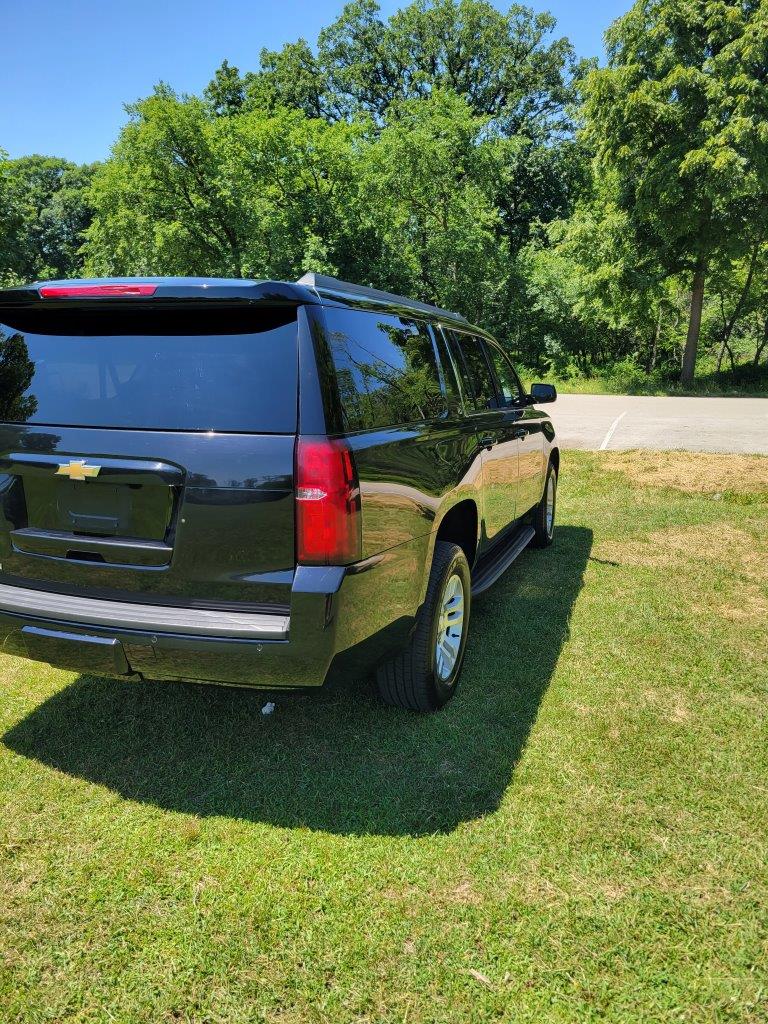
(187, 192)
(44, 212)
(225, 93)
(16, 373)
(588, 216)
(681, 115)
(416, 154)
(11, 222)
(501, 64)
(431, 175)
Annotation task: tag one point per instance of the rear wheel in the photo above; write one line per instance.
(425, 675)
(544, 513)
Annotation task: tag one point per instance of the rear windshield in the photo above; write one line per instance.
(209, 369)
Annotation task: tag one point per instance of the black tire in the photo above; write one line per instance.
(545, 530)
(411, 679)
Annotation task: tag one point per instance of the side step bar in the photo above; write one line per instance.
(486, 574)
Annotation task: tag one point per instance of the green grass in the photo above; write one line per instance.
(626, 378)
(581, 836)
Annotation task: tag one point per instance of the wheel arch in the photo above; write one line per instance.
(460, 525)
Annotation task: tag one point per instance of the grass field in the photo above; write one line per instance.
(581, 836)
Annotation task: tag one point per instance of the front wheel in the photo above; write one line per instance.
(425, 675)
(544, 513)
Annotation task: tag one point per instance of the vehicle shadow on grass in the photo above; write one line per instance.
(337, 760)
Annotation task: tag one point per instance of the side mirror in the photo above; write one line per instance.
(541, 393)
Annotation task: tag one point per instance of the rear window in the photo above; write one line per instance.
(206, 369)
(386, 369)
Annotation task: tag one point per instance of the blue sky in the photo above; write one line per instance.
(68, 66)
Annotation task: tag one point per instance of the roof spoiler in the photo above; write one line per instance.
(144, 290)
(332, 287)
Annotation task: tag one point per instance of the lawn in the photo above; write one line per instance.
(581, 836)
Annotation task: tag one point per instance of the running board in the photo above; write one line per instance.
(488, 574)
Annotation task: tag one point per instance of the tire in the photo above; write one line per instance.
(417, 678)
(543, 524)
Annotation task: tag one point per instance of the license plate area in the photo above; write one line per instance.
(102, 509)
(123, 514)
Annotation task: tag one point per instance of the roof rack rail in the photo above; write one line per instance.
(331, 285)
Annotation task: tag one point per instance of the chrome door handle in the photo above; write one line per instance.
(519, 433)
(488, 441)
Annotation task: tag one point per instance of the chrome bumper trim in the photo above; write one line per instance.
(149, 618)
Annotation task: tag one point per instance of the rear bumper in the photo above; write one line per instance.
(144, 617)
(336, 614)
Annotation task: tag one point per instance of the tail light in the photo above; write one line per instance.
(327, 503)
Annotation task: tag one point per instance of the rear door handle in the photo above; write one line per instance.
(488, 441)
(519, 433)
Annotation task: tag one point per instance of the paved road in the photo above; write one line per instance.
(629, 421)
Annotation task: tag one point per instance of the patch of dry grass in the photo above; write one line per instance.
(692, 472)
(691, 553)
(710, 542)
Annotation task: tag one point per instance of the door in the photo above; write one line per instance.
(526, 428)
(496, 431)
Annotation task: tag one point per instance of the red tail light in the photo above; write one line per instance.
(95, 291)
(327, 503)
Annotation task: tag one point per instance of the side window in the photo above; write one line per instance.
(385, 367)
(509, 383)
(451, 383)
(474, 369)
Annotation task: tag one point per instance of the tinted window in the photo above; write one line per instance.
(208, 371)
(509, 382)
(385, 368)
(451, 383)
(476, 373)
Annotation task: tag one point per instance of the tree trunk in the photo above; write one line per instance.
(762, 343)
(730, 322)
(694, 323)
(650, 366)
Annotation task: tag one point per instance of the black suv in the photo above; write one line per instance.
(258, 483)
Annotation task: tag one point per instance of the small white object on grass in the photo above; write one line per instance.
(268, 708)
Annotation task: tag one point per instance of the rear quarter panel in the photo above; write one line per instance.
(409, 478)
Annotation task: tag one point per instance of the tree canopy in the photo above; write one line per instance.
(592, 217)
(45, 208)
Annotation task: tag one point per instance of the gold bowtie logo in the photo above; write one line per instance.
(77, 470)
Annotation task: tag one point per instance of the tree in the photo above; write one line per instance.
(251, 194)
(44, 213)
(290, 77)
(11, 222)
(225, 93)
(16, 373)
(165, 202)
(502, 65)
(431, 176)
(681, 114)
(417, 153)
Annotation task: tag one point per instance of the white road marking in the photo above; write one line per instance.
(692, 424)
(610, 433)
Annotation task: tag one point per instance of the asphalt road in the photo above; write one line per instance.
(693, 424)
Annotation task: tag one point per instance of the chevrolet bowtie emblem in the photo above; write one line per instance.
(77, 470)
